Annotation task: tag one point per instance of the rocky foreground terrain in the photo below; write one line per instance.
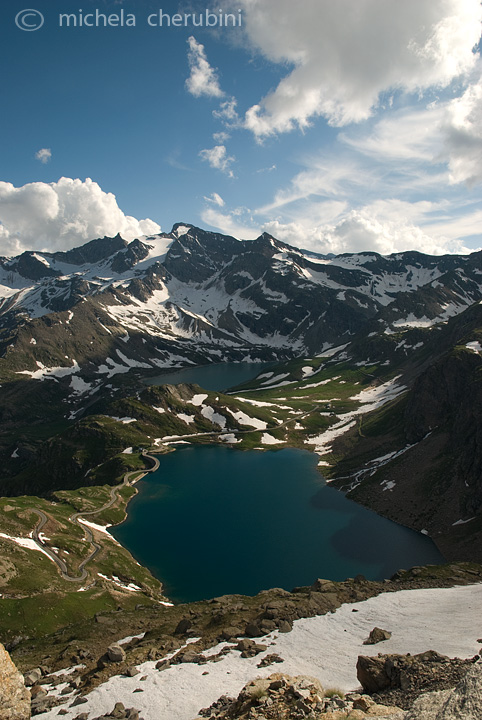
(166, 663)
(283, 697)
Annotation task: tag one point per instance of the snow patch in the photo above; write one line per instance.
(268, 439)
(325, 647)
(198, 400)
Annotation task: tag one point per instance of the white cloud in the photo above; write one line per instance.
(231, 223)
(61, 215)
(359, 232)
(385, 226)
(215, 199)
(409, 134)
(203, 79)
(219, 159)
(227, 112)
(44, 155)
(221, 137)
(344, 55)
(462, 135)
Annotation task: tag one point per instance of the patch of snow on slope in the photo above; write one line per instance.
(244, 419)
(268, 439)
(198, 400)
(325, 647)
(412, 321)
(112, 368)
(324, 441)
(132, 363)
(129, 639)
(462, 522)
(261, 403)
(322, 382)
(24, 542)
(181, 230)
(41, 259)
(186, 418)
(275, 379)
(50, 373)
(210, 414)
(370, 399)
(229, 438)
(332, 351)
(79, 386)
(377, 396)
(99, 528)
(475, 346)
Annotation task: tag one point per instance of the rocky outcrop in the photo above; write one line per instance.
(281, 697)
(400, 679)
(14, 696)
(462, 703)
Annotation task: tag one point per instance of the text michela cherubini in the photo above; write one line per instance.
(159, 19)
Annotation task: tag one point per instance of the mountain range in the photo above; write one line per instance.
(82, 330)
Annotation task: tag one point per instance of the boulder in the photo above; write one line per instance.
(371, 673)
(285, 626)
(231, 632)
(253, 630)
(377, 635)
(32, 676)
(14, 696)
(183, 626)
(116, 653)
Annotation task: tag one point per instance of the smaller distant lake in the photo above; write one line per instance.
(215, 520)
(218, 376)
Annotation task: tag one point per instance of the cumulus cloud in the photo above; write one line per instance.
(203, 79)
(343, 55)
(384, 227)
(462, 135)
(61, 215)
(44, 155)
(219, 159)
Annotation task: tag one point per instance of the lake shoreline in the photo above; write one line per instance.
(319, 489)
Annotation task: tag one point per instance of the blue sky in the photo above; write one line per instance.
(335, 125)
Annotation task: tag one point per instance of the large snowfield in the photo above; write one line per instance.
(446, 620)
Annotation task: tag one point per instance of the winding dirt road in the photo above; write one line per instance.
(75, 518)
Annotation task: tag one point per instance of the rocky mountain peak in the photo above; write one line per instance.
(93, 251)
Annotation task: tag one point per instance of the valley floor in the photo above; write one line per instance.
(445, 620)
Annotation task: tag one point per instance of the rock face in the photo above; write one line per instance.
(400, 679)
(14, 696)
(462, 703)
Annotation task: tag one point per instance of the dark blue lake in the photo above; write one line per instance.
(218, 376)
(215, 520)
